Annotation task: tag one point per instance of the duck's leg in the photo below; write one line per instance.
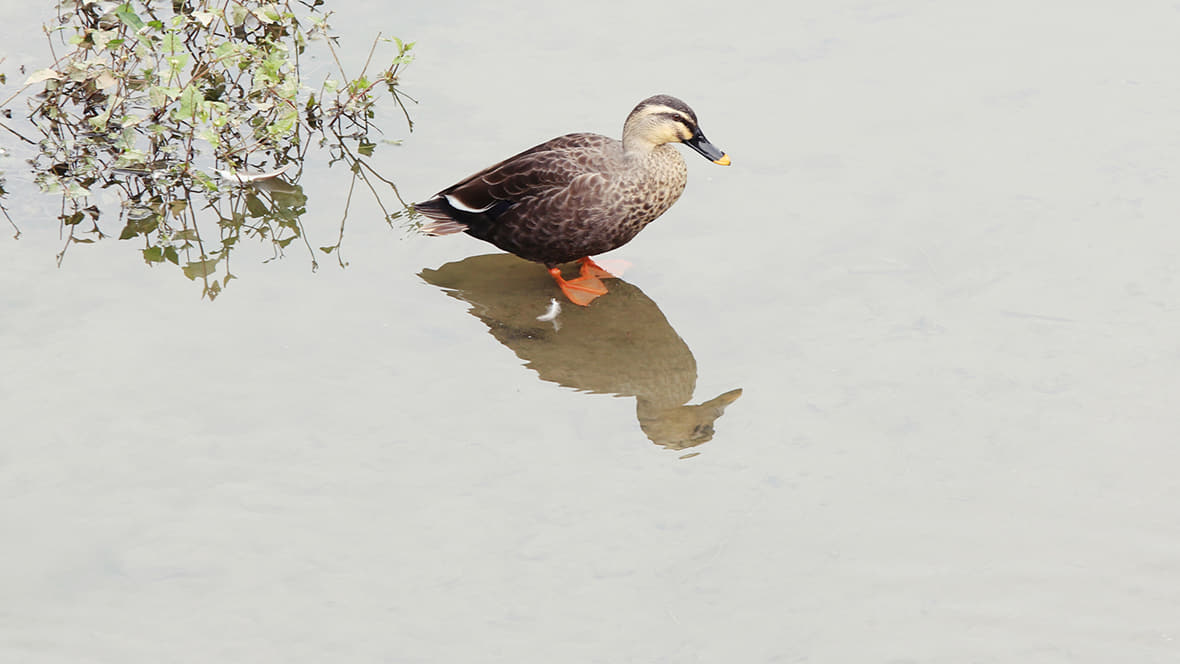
(585, 288)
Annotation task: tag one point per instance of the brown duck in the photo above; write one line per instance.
(577, 195)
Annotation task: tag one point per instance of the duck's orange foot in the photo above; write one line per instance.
(583, 290)
(591, 269)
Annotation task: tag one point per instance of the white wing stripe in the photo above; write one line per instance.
(462, 207)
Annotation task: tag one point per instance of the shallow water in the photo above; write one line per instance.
(942, 270)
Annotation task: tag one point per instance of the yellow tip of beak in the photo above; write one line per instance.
(723, 161)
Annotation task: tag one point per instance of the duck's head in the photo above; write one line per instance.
(665, 119)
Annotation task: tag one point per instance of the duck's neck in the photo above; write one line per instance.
(644, 153)
(636, 146)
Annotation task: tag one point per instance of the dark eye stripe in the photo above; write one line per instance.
(676, 117)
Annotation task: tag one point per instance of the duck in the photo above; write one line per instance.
(577, 195)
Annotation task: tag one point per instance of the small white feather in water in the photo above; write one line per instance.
(550, 314)
(244, 178)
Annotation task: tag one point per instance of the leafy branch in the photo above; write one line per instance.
(192, 110)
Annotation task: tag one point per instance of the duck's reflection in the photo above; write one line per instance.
(620, 345)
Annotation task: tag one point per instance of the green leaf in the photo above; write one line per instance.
(199, 269)
(256, 207)
(236, 15)
(190, 102)
(225, 52)
(153, 255)
(285, 123)
(268, 14)
(76, 190)
(127, 15)
(177, 62)
(172, 43)
(160, 95)
(141, 226)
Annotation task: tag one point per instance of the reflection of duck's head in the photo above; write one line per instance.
(684, 426)
(622, 345)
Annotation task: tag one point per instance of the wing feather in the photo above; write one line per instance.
(538, 170)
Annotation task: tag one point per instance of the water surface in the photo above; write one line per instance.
(943, 270)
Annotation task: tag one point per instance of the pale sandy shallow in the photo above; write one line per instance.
(944, 269)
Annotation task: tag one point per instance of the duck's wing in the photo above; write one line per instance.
(551, 170)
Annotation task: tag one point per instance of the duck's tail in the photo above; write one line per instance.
(441, 216)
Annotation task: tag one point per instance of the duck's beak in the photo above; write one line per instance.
(710, 151)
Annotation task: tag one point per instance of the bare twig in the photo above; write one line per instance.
(17, 134)
(11, 222)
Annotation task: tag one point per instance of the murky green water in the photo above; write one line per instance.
(942, 270)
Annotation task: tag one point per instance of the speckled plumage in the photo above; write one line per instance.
(576, 195)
